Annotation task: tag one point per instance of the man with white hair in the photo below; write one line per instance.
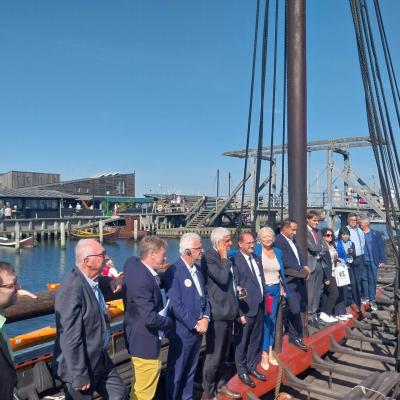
(190, 313)
(83, 330)
(217, 270)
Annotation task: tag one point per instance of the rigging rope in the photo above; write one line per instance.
(241, 219)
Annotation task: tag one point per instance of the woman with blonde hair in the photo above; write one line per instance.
(275, 286)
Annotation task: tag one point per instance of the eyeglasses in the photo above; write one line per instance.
(10, 285)
(329, 235)
(103, 254)
(197, 248)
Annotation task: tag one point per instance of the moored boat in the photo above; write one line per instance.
(110, 233)
(25, 242)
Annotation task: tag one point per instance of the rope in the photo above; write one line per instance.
(364, 390)
(241, 221)
(279, 379)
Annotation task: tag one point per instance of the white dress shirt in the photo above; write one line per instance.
(256, 269)
(193, 273)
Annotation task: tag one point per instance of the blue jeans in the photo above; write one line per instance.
(369, 280)
(270, 319)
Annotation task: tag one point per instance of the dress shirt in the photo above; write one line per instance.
(193, 273)
(3, 332)
(293, 246)
(103, 309)
(357, 236)
(251, 262)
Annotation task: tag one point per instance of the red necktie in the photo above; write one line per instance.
(314, 236)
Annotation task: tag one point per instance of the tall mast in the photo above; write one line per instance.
(297, 118)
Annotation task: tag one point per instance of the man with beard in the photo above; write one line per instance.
(8, 296)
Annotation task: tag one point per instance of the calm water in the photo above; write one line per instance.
(47, 263)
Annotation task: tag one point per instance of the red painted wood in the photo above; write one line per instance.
(293, 358)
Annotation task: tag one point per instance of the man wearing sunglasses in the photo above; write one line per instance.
(8, 296)
(83, 329)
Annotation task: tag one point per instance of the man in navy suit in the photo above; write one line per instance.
(190, 313)
(142, 321)
(249, 276)
(296, 272)
(80, 359)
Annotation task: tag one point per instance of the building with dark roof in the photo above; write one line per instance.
(21, 179)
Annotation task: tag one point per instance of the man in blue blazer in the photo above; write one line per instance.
(249, 276)
(142, 321)
(190, 312)
(80, 359)
(296, 273)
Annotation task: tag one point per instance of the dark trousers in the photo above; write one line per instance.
(183, 356)
(106, 382)
(314, 290)
(330, 296)
(218, 343)
(342, 301)
(356, 272)
(248, 342)
(297, 302)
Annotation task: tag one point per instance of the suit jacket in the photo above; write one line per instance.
(219, 279)
(185, 303)
(289, 259)
(314, 249)
(80, 330)
(8, 375)
(142, 301)
(378, 248)
(245, 278)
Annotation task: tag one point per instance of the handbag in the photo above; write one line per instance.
(269, 300)
(341, 274)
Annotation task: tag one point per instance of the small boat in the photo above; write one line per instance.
(110, 233)
(25, 242)
(126, 225)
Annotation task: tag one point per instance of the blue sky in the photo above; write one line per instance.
(162, 87)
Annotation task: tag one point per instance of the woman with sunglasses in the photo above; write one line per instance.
(330, 295)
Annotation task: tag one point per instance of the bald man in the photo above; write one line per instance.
(83, 330)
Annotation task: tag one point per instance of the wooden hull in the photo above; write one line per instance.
(23, 243)
(109, 234)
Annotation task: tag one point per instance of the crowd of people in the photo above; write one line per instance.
(230, 296)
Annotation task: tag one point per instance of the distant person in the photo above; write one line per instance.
(357, 236)
(296, 272)
(143, 325)
(80, 358)
(190, 313)
(217, 270)
(110, 271)
(116, 209)
(8, 296)
(374, 258)
(7, 212)
(70, 206)
(78, 207)
(1, 213)
(249, 276)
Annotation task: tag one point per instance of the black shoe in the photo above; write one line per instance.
(258, 375)
(230, 393)
(314, 323)
(298, 343)
(246, 380)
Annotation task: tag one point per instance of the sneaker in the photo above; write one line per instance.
(327, 318)
(373, 306)
(342, 317)
(349, 315)
(364, 301)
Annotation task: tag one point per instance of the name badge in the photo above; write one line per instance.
(188, 282)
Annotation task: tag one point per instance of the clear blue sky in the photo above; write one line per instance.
(161, 87)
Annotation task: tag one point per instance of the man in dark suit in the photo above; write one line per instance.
(217, 270)
(190, 312)
(8, 296)
(296, 272)
(143, 325)
(249, 276)
(315, 283)
(80, 359)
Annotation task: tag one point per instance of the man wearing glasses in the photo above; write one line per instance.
(8, 296)
(83, 329)
(190, 312)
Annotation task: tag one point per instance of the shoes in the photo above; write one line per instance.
(298, 343)
(257, 375)
(246, 380)
(373, 306)
(265, 361)
(364, 301)
(327, 318)
(349, 315)
(231, 393)
(355, 308)
(272, 360)
(343, 317)
(314, 323)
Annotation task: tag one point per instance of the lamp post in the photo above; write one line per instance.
(107, 202)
